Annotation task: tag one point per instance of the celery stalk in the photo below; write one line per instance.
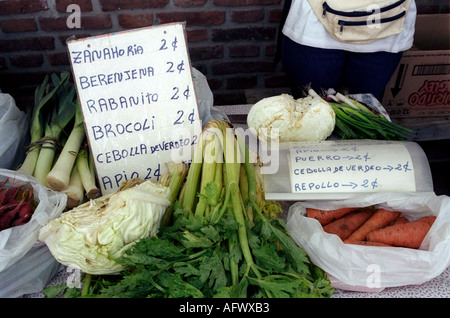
(178, 172)
(189, 194)
(211, 153)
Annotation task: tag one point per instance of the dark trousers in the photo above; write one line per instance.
(346, 72)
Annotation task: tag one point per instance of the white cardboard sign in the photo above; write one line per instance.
(330, 168)
(138, 100)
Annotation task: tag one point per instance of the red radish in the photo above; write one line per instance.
(8, 195)
(6, 208)
(8, 218)
(3, 193)
(24, 215)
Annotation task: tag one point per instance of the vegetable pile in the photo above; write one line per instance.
(17, 205)
(373, 227)
(57, 154)
(104, 227)
(355, 120)
(220, 238)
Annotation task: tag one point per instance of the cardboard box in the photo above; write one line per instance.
(420, 87)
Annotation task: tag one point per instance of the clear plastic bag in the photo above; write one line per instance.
(373, 268)
(20, 254)
(14, 126)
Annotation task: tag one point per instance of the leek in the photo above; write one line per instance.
(42, 96)
(58, 177)
(57, 120)
(85, 166)
(75, 190)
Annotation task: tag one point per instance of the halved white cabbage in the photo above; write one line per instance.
(288, 119)
(91, 236)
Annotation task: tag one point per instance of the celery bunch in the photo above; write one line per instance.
(222, 238)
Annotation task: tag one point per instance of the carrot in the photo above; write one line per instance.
(325, 217)
(366, 243)
(409, 234)
(346, 225)
(378, 220)
(400, 220)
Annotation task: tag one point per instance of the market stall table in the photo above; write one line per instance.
(438, 287)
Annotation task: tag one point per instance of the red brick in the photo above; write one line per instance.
(206, 53)
(247, 33)
(247, 15)
(235, 3)
(189, 3)
(214, 83)
(244, 50)
(90, 22)
(242, 82)
(196, 35)
(113, 5)
(275, 15)
(230, 97)
(59, 58)
(22, 6)
(30, 60)
(271, 49)
(241, 67)
(63, 38)
(85, 5)
(192, 18)
(38, 43)
(135, 20)
(276, 80)
(2, 64)
(18, 25)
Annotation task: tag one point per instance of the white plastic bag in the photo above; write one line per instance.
(13, 132)
(372, 268)
(205, 99)
(20, 253)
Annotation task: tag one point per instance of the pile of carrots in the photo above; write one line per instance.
(17, 205)
(373, 227)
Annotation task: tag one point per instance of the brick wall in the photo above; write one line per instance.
(232, 42)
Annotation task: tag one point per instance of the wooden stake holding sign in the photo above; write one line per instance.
(138, 101)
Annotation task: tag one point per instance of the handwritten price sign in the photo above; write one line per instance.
(329, 168)
(138, 101)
